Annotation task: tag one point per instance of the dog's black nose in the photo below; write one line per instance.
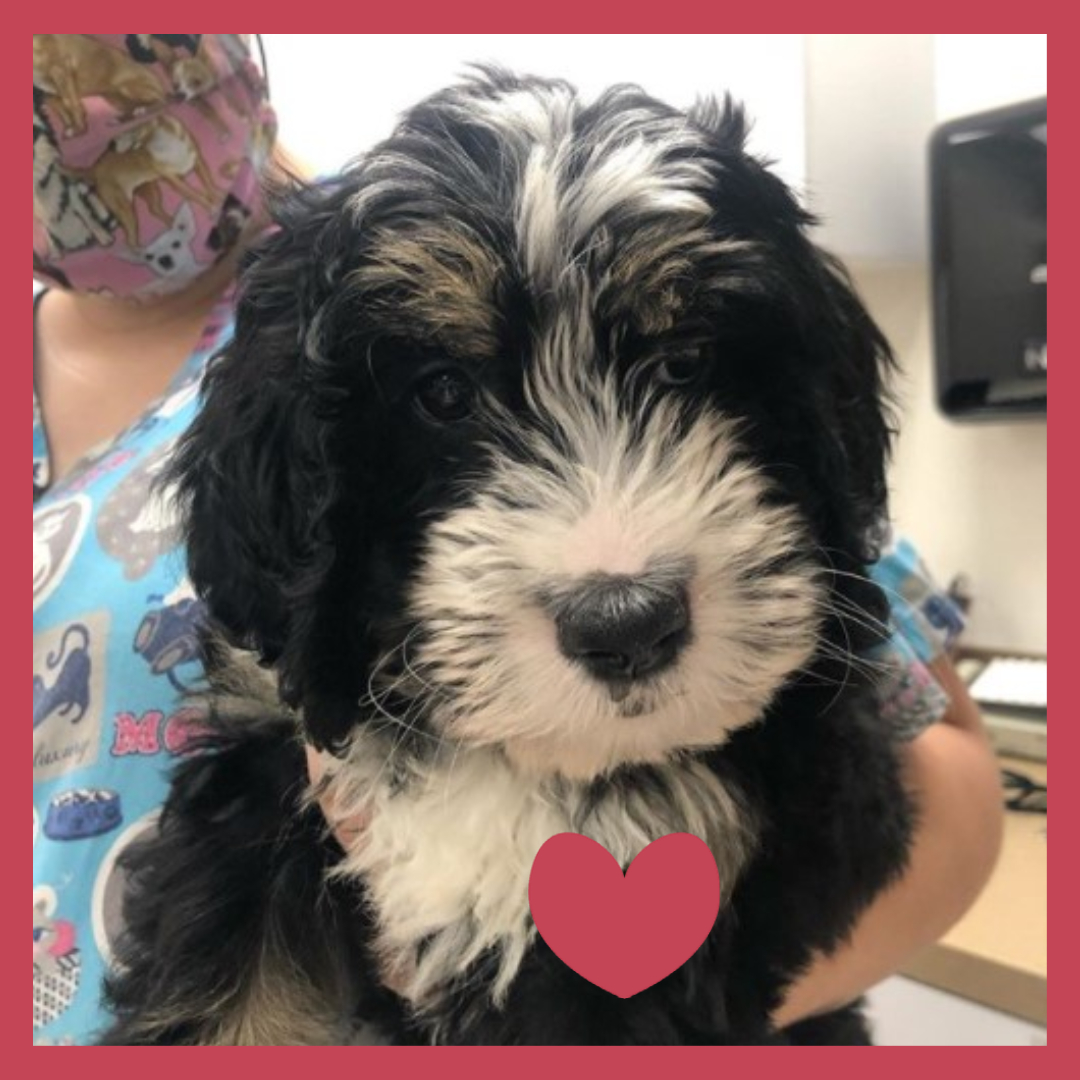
(620, 629)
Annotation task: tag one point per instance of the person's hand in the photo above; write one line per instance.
(955, 780)
(347, 831)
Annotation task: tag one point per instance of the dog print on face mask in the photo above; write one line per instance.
(137, 525)
(161, 48)
(58, 531)
(171, 256)
(184, 126)
(190, 70)
(76, 217)
(230, 227)
(140, 162)
(72, 67)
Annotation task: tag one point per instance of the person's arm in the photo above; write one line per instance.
(953, 774)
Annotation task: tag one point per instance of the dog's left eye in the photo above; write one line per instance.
(681, 369)
(446, 396)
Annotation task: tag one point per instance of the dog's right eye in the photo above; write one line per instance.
(446, 396)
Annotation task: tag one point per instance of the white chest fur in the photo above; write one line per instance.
(448, 848)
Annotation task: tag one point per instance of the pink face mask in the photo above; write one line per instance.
(148, 153)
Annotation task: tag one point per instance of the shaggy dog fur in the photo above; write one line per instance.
(540, 478)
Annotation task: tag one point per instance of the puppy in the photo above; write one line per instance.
(538, 482)
(138, 162)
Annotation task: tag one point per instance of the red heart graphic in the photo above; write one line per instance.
(624, 934)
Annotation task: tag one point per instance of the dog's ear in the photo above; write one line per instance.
(856, 363)
(848, 360)
(184, 222)
(259, 485)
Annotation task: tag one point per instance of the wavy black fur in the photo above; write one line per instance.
(309, 481)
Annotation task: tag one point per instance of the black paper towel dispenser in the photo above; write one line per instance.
(988, 224)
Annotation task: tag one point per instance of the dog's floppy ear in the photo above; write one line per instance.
(848, 358)
(856, 363)
(259, 486)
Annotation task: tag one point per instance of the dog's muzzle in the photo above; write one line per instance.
(622, 630)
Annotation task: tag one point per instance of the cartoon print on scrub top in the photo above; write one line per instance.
(106, 903)
(82, 815)
(138, 522)
(57, 961)
(58, 532)
(71, 666)
(168, 638)
(69, 691)
(41, 457)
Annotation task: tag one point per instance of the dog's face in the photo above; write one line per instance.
(192, 77)
(546, 428)
(170, 255)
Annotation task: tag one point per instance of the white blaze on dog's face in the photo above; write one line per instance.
(663, 521)
(618, 584)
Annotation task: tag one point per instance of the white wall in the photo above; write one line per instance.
(982, 71)
(870, 110)
(338, 93)
(972, 496)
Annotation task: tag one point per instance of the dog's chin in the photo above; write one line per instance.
(605, 752)
(636, 725)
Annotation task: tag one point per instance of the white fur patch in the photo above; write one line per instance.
(632, 166)
(448, 848)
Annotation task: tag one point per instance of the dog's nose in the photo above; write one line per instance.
(620, 629)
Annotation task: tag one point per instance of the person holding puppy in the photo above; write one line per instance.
(149, 151)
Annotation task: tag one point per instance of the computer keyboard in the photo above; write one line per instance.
(1010, 683)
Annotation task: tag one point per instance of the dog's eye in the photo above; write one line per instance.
(681, 369)
(447, 396)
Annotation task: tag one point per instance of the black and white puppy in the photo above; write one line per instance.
(540, 476)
